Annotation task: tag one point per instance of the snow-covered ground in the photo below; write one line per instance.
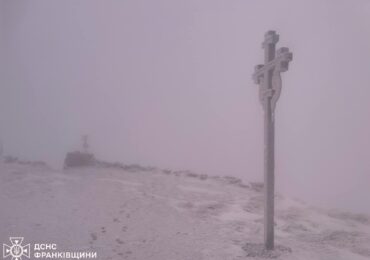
(164, 215)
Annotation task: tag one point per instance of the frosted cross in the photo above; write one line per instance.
(267, 76)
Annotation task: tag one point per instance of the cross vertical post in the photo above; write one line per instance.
(269, 79)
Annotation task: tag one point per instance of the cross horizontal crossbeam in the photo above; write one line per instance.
(280, 63)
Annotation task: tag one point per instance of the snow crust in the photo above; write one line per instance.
(164, 215)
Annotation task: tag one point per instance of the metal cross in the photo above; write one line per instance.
(269, 79)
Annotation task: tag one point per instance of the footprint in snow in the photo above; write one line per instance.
(103, 230)
(119, 241)
(93, 237)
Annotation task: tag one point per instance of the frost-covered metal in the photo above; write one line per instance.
(268, 77)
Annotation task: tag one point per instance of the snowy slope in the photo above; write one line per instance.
(164, 215)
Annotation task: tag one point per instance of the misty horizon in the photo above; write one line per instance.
(169, 84)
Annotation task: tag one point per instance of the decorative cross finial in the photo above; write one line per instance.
(271, 38)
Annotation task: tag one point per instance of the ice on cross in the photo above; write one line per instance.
(267, 76)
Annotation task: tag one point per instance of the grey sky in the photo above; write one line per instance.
(168, 83)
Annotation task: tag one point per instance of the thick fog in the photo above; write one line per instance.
(168, 83)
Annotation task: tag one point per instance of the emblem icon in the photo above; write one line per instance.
(16, 250)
